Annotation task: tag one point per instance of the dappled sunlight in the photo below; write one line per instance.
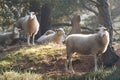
(37, 58)
(12, 75)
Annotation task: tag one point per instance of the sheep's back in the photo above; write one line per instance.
(46, 38)
(85, 44)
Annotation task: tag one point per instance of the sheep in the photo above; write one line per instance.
(49, 32)
(43, 39)
(96, 44)
(30, 25)
(9, 36)
(55, 37)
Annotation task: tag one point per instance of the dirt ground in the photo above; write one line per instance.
(81, 63)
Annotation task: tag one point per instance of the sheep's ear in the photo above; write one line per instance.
(100, 25)
(36, 13)
(106, 29)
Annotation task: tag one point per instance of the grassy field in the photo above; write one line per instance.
(45, 63)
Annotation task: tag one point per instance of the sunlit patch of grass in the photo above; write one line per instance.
(98, 75)
(4, 63)
(28, 56)
(19, 76)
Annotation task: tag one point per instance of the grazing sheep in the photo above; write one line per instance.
(87, 44)
(30, 25)
(9, 36)
(55, 37)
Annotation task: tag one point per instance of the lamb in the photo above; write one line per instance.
(30, 25)
(96, 44)
(55, 37)
(9, 36)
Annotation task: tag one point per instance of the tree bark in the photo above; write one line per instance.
(75, 24)
(45, 18)
(110, 57)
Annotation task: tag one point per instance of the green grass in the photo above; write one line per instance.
(19, 76)
(99, 75)
(25, 64)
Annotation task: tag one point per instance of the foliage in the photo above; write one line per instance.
(11, 11)
(61, 10)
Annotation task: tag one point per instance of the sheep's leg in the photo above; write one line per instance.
(71, 67)
(28, 40)
(96, 60)
(66, 66)
(69, 63)
(33, 37)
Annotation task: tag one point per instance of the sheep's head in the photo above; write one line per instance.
(16, 32)
(60, 31)
(32, 15)
(102, 30)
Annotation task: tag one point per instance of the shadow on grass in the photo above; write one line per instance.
(99, 75)
(115, 75)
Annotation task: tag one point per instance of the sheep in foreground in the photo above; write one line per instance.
(9, 36)
(30, 25)
(96, 44)
(55, 37)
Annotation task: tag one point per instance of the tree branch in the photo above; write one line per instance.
(57, 25)
(88, 8)
(96, 3)
(61, 24)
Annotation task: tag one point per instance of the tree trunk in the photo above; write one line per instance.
(110, 57)
(35, 7)
(75, 24)
(45, 18)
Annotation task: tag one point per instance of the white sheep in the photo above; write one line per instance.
(30, 25)
(55, 37)
(49, 32)
(86, 44)
(9, 36)
(44, 38)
